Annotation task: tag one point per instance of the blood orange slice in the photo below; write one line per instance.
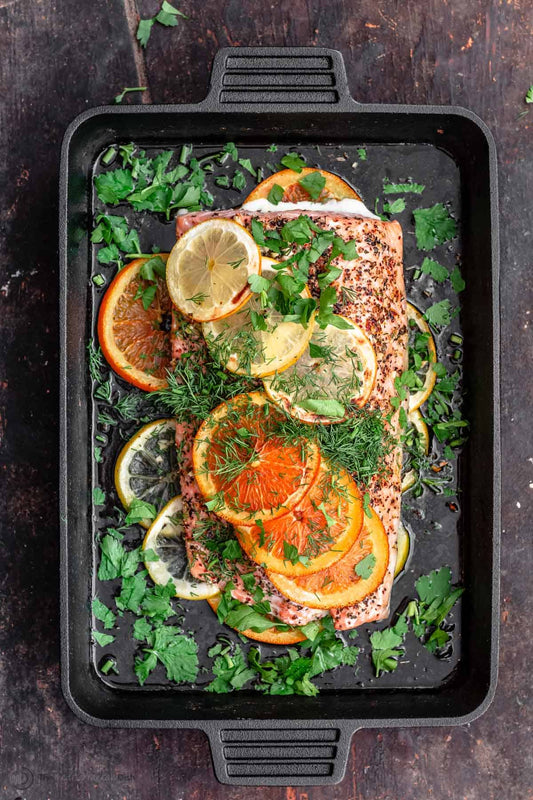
(356, 575)
(289, 180)
(244, 469)
(134, 333)
(316, 533)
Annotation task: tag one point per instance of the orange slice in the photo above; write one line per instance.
(244, 470)
(135, 340)
(335, 188)
(208, 269)
(316, 533)
(271, 635)
(340, 585)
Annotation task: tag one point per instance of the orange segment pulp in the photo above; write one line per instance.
(134, 340)
(316, 533)
(341, 585)
(244, 469)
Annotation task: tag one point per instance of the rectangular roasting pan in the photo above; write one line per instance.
(296, 97)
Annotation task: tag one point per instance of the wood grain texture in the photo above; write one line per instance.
(56, 59)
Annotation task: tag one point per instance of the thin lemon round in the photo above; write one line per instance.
(165, 538)
(147, 467)
(348, 581)
(271, 635)
(404, 547)
(258, 351)
(421, 431)
(208, 269)
(337, 369)
(416, 399)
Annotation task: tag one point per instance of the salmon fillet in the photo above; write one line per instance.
(375, 301)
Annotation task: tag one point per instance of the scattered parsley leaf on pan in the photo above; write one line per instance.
(127, 89)
(239, 181)
(402, 188)
(529, 95)
(437, 598)
(438, 314)
(293, 161)
(132, 593)
(103, 613)
(387, 647)
(434, 270)
(361, 152)
(433, 226)
(396, 207)
(102, 638)
(98, 496)
(457, 280)
(246, 164)
(139, 510)
(142, 629)
(114, 186)
(230, 669)
(177, 652)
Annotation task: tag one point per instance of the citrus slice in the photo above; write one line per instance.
(147, 467)
(245, 470)
(404, 547)
(289, 180)
(208, 269)
(421, 344)
(271, 635)
(416, 438)
(316, 533)
(337, 369)
(135, 339)
(165, 538)
(254, 351)
(356, 575)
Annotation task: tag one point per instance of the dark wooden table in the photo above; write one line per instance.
(56, 59)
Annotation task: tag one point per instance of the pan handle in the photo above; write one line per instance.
(299, 753)
(272, 76)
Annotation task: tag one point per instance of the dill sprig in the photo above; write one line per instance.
(195, 389)
(359, 444)
(96, 361)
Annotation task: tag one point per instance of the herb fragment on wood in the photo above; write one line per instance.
(127, 89)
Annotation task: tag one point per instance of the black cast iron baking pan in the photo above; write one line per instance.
(297, 97)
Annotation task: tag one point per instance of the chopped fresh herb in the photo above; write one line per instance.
(293, 161)
(96, 360)
(120, 97)
(529, 95)
(140, 510)
(98, 496)
(313, 183)
(102, 639)
(361, 152)
(109, 665)
(396, 207)
(247, 165)
(402, 188)
(457, 280)
(387, 647)
(271, 148)
(275, 195)
(230, 669)
(98, 280)
(167, 16)
(97, 453)
(113, 187)
(239, 181)
(433, 226)
(323, 407)
(115, 560)
(365, 567)
(144, 29)
(367, 508)
(222, 181)
(438, 314)
(434, 270)
(103, 613)
(178, 654)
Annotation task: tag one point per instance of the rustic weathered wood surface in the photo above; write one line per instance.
(58, 58)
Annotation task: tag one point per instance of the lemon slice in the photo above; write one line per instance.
(419, 430)
(165, 538)
(404, 547)
(338, 368)
(416, 399)
(147, 467)
(208, 269)
(247, 351)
